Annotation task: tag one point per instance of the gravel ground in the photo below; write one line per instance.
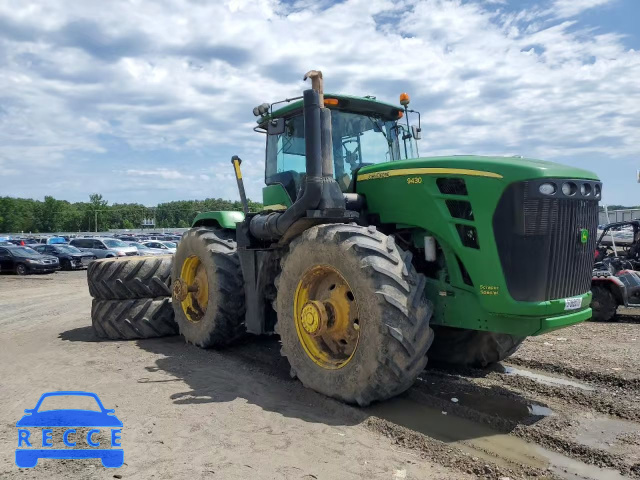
(566, 405)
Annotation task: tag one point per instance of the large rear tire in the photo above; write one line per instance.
(352, 316)
(213, 314)
(473, 348)
(130, 277)
(603, 304)
(133, 319)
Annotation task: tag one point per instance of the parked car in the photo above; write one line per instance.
(157, 244)
(51, 240)
(170, 244)
(144, 250)
(70, 257)
(23, 260)
(104, 247)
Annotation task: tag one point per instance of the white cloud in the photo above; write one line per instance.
(571, 8)
(164, 90)
(159, 172)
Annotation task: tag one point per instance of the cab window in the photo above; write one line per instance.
(357, 140)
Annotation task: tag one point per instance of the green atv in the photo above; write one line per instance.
(367, 258)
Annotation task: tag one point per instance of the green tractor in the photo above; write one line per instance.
(368, 258)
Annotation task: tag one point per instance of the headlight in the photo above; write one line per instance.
(122, 254)
(585, 189)
(596, 191)
(569, 188)
(547, 188)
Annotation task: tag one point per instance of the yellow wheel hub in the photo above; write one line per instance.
(326, 317)
(192, 289)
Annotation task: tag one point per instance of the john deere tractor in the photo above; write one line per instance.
(368, 258)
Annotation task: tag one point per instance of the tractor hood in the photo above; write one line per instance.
(508, 168)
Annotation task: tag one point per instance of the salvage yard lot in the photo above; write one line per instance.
(566, 404)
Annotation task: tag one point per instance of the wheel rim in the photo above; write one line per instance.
(21, 269)
(326, 317)
(194, 282)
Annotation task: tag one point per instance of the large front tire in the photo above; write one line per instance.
(212, 314)
(472, 348)
(352, 316)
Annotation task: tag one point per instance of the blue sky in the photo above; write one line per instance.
(147, 101)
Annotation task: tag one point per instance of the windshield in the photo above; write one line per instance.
(67, 249)
(139, 246)
(110, 242)
(25, 252)
(68, 402)
(358, 140)
(170, 244)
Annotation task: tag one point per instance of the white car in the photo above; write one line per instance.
(158, 245)
(144, 250)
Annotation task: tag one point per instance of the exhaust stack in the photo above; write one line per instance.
(319, 191)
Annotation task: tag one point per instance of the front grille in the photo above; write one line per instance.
(539, 242)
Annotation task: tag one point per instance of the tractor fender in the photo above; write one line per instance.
(220, 219)
(614, 284)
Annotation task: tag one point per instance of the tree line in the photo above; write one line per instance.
(25, 215)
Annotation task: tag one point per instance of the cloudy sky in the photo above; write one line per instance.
(146, 100)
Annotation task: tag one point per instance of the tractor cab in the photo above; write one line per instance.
(365, 131)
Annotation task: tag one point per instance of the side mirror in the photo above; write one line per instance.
(416, 132)
(275, 126)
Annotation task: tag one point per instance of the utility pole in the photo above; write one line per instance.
(96, 220)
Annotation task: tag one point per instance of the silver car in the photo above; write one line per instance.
(104, 247)
(144, 250)
(166, 247)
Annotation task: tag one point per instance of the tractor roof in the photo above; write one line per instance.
(364, 105)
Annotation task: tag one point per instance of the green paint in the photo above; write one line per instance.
(275, 195)
(414, 202)
(584, 235)
(487, 305)
(222, 219)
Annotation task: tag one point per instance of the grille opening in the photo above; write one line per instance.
(539, 245)
(452, 186)
(460, 209)
(468, 236)
(466, 278)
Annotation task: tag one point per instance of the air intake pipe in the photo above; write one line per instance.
(319, 190)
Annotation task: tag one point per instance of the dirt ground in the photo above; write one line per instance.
(566, 405)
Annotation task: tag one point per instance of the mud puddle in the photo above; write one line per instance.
(545, 379)
(491, 404)
(483, 443)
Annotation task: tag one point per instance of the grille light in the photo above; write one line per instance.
(547, 188)
(585, 189)
(596, 191)
(569, 188)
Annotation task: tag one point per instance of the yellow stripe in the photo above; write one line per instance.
(426, 171)
(236, 165)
